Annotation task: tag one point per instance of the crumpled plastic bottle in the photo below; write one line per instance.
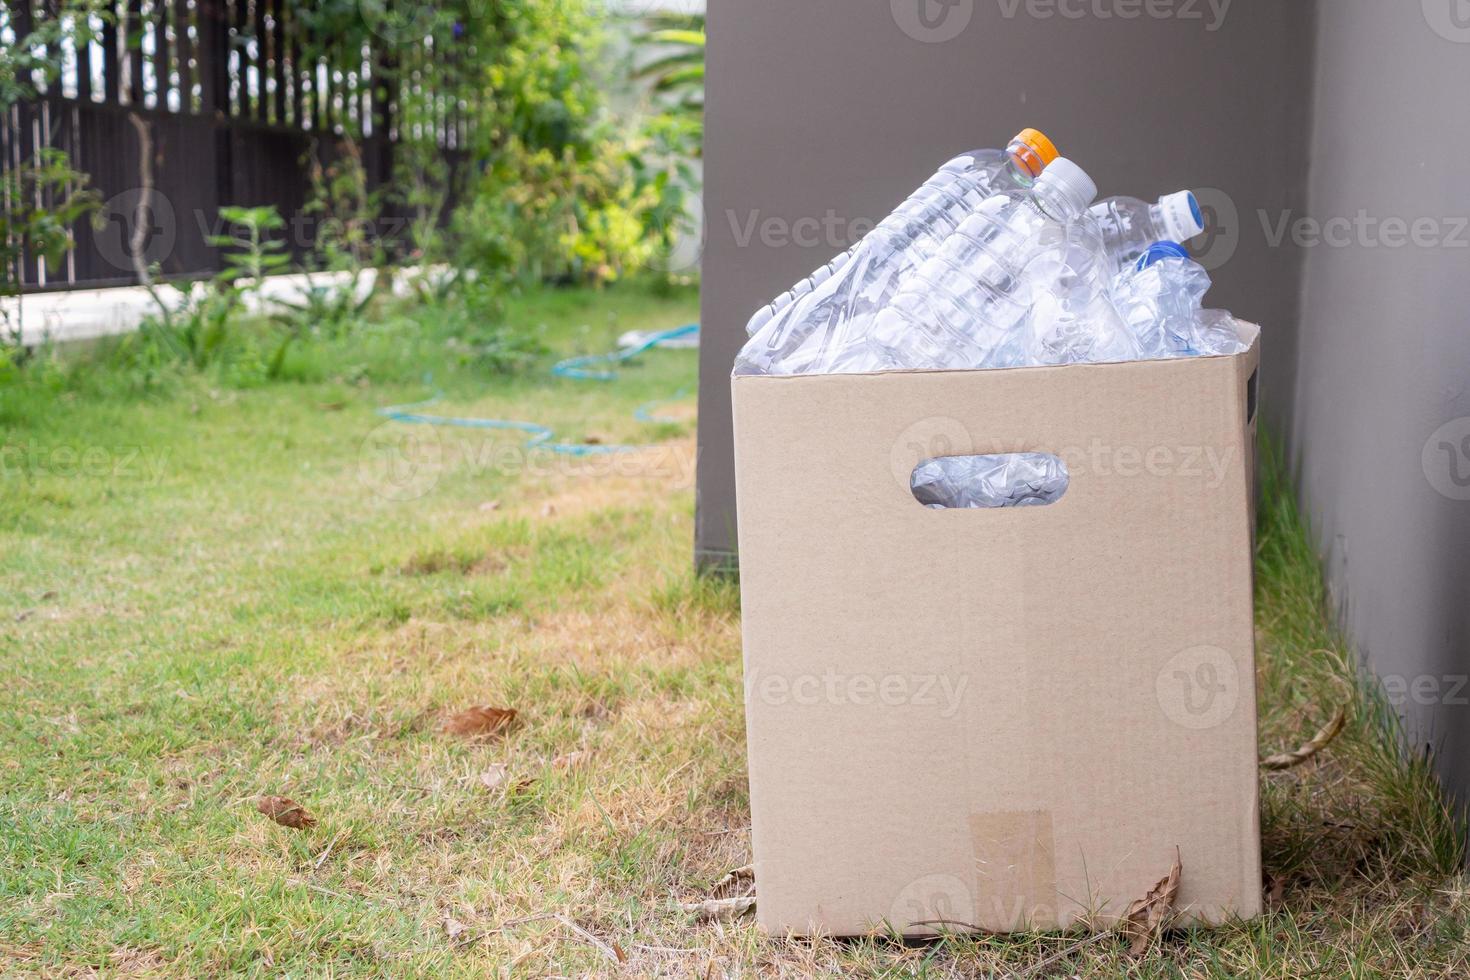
(1072, 318)
(1161, 299)
(1217, 334)
(980, 482)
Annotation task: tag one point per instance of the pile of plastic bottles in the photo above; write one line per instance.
(1001, 259)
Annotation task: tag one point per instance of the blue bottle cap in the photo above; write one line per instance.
(1194, 210)
(1159, 251)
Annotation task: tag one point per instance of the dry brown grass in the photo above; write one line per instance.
(582, 869)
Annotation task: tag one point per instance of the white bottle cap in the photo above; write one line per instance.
(1182, 216)
(1068, 181)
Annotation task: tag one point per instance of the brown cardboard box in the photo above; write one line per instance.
(999, 718)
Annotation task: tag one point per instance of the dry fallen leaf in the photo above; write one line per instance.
(480, 720)
(1289, 760)
(745, 871)
(286, 812)
(614, 952)
(132, 962)
(570, 761)
(719, 908)
(495, 776)
(489, 505)
(548, 510)
(1148, 916)
(1275, 890)
(453, 928)
(738, 882)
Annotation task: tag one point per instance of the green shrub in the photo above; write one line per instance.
(565, 193)
(476, 333)
(195, 331)
(590, 215)
(675, 72)
(43, 197)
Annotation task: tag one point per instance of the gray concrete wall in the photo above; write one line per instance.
(1382, 419)
(823, 114)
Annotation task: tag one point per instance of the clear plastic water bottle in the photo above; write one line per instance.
(966, 305)
(808, 285)
(1072, 318)
(817, 316)
(1129, 226)
(1160, 299)
(930, 213)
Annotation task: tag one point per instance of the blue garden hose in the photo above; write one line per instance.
(576, 368)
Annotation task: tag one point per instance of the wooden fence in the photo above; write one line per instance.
(229, 111)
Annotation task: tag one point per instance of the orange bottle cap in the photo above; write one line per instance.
(1043, 151)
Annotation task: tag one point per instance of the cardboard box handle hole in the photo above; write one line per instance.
(991, 482)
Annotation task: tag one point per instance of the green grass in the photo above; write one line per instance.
(209, 593)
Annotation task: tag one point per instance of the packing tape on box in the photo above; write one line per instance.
(1015, 869)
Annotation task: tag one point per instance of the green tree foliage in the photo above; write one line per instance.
(32, 63)
(675, 65)
(556, 186)
(565, 190)
(43, 194)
